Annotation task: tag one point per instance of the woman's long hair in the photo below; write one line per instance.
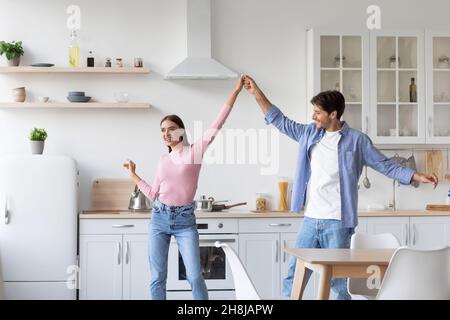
(176, 119)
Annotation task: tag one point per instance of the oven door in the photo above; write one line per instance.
(215, 268)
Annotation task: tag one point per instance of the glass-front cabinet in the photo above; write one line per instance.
(337, 60)
(397, 87)
(438, 86)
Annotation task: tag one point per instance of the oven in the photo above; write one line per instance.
(215, 268)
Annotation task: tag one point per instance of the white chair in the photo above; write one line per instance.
(369, 241)
(417, 275)
(245, 290)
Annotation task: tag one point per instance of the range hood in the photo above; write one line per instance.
(199, 64)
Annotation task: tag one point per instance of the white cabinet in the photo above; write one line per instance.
(397, 83)
(438, 86)
(261, 243)
(114, 259)
(398, 226)
(338, 59)
(101, 267)
(429, 232)
(260, 254)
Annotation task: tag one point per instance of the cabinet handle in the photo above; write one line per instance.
(429, 126)
(276, 251)
(280, 224)
(119, 249)
(405, 235)
(414, 235)
(367, 125)
(123, 225)
(6, 212)
(127, 252)
(214, 240)
(284, 251)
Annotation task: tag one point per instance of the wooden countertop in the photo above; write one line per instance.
(248, 214)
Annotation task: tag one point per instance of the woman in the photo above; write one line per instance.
(173, 193)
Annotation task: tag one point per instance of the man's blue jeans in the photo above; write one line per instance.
(177, 221)
(321, 233)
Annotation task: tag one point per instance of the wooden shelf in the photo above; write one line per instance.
(73, 105)
(73, 70)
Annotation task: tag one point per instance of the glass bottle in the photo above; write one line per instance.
(412, 91)
(108, 63)
(74, 50)
(90, 60)
(282, 199)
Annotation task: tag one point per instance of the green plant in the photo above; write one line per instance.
(38, 134)
(11, 49)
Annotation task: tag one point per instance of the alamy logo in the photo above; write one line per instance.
(74, 20)
(373, 21)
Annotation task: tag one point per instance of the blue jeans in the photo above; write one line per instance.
(321, 233)
(177, 221)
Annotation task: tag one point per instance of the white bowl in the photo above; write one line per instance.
(43, 99)
(122, 97)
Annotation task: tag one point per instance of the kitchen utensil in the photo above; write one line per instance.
(203, 204)
(111, 194)
(220, 207)
(438, 207)
(138, 201)
(433, 162)
(78, 98)
(366, 181)
(39, 64)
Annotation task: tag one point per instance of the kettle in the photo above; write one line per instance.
(138, 201)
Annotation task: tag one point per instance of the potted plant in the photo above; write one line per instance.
(12, 51)
(37, 139)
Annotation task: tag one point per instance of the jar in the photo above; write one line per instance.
(138, 63)
(119, 63)
(443, 62)
(108, 63)
(261, 203)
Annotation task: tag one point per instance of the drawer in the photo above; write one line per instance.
(114, 226)
(252, 225)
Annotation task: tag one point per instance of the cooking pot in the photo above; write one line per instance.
(209, 204)
(138, 201)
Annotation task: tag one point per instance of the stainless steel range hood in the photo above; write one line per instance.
(199, 64)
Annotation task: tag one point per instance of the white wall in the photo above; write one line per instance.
(264, 38)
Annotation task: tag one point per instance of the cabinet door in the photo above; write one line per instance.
(397, 87)
(338, 59)
(260, 254)
(398, 226)
(438, 86)
(288, 241)
(430, 232)
(136, 270)
(101, 267)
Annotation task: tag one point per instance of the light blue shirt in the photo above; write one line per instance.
(355, 150)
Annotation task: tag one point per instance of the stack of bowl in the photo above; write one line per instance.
(77, 96)
(19, 94)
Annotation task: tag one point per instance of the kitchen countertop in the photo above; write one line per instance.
(249, 214)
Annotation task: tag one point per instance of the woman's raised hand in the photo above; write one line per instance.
(131, 166)
(239, 84)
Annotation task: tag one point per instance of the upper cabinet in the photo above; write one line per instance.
(338, 60)
(397, 87)
(396, 83)
(438, 86)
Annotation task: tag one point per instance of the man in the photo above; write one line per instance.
(330, 161)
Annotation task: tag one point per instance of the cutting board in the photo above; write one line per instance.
(438, 207)
(111, 194)
(433, 160)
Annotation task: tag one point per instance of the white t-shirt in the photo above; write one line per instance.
(323, 192)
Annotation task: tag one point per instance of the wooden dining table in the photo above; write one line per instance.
(335, 263)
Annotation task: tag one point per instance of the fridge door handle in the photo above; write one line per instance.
(127, 252)
(6, 213)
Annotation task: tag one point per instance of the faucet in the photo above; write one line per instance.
(393, 204)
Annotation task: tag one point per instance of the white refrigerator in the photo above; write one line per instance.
(38, 226)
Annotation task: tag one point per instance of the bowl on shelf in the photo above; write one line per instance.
(76, 93)
(78, 98)
(122, 97)
(41, 64)
(43, 99)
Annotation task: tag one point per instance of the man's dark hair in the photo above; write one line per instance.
(330, 101)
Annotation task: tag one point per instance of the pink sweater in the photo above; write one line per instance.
(177, 174)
